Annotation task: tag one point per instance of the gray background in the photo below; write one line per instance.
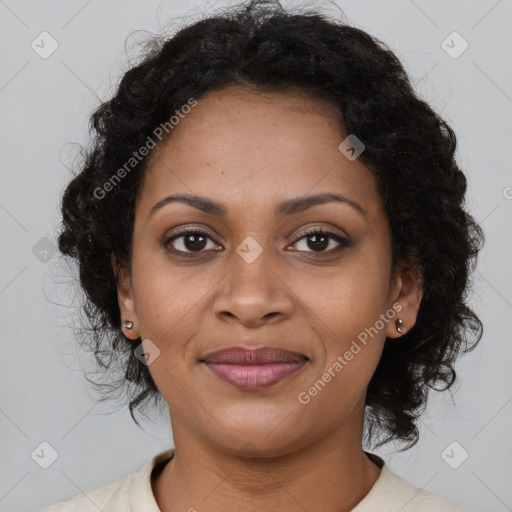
(45, 104)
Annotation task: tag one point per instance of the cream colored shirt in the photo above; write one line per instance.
(133, 493)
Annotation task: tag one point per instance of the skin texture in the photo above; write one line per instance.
(251, 152)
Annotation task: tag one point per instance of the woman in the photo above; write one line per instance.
(271, 236)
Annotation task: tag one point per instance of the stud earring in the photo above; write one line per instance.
(127, 324)
(399, 323)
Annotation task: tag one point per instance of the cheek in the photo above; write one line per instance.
(348, 301)
(352, 349)
(172, 303)
(347, 312)
(335, 395)
(166, 296)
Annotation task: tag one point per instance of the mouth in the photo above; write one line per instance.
(252, 369)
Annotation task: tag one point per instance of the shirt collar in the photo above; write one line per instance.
(142, 498)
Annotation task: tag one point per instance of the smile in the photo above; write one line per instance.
(254, 376)
(253, 368)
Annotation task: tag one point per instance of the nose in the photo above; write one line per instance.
(253, 293)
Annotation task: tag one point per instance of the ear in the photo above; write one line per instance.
(408, 292)
(125, 299)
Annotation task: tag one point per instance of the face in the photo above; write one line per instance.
(260, 275)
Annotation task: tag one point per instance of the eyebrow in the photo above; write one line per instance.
(288, 207)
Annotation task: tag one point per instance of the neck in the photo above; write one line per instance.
(332, 473)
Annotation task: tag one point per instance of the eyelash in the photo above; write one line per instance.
(316, 231)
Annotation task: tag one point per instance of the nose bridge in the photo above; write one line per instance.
(252, 290)
(251, 273)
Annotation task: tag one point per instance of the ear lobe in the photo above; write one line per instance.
(125, 299)
(410, 294)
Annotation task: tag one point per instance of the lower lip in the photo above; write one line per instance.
(254, 376)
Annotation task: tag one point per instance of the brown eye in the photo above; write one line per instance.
(188, 242)
(318, 240)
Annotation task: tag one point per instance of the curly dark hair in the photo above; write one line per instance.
(409, 147)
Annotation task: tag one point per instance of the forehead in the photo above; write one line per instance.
(240, 147)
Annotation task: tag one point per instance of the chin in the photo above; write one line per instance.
(261, 439)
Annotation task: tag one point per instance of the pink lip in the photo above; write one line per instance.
(252, 369)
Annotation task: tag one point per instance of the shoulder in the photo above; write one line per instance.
(414, 499)
(132, 491)
(111, 497)
(391, 492)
